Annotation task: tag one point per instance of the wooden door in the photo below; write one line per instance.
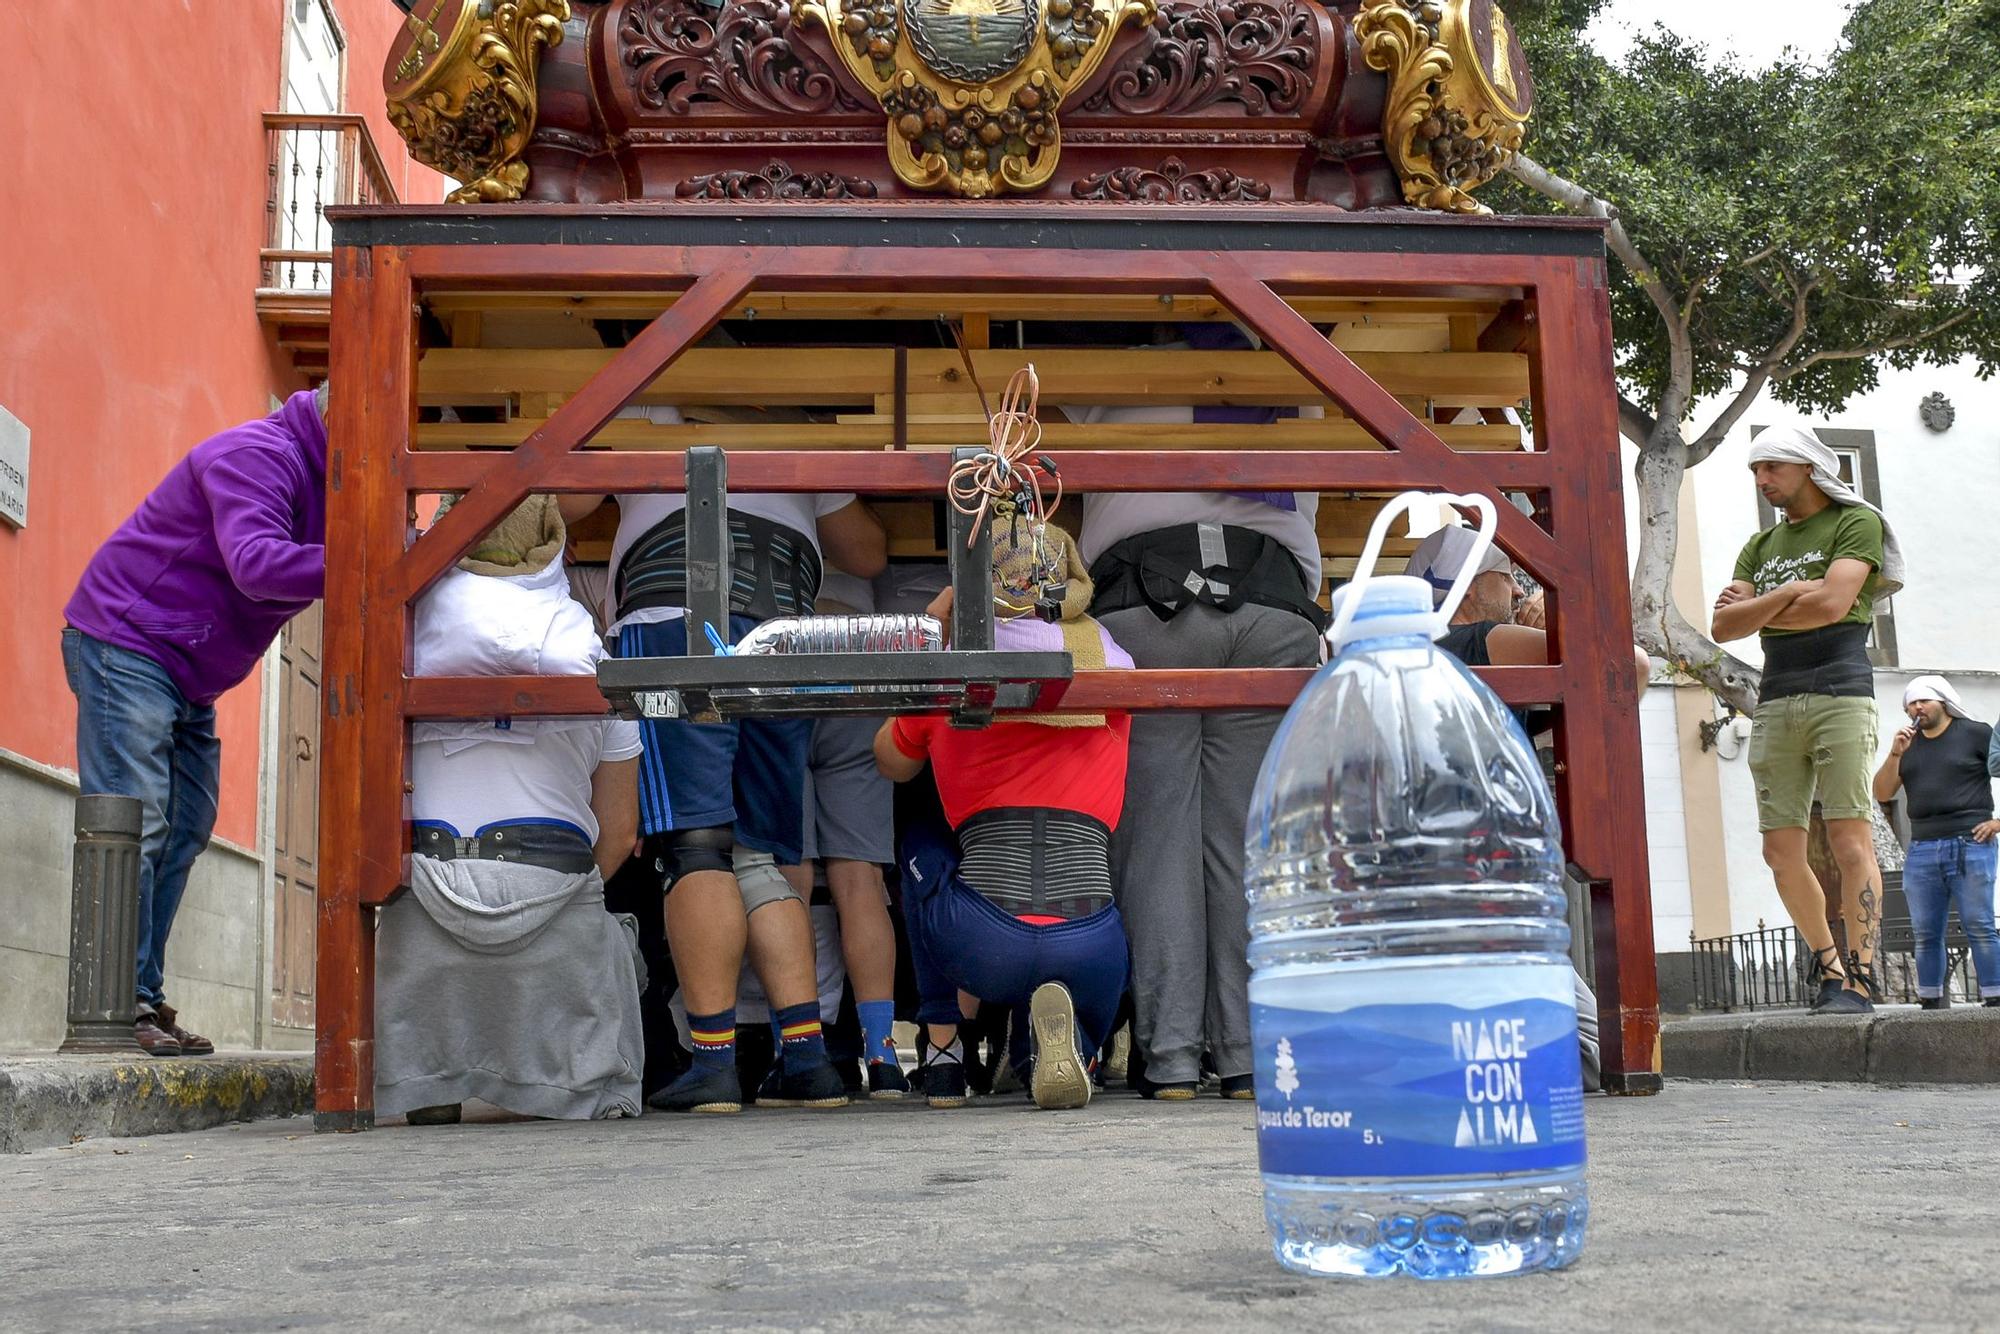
(295, 839)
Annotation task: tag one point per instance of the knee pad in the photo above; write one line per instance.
(758, 878)
(691, 850)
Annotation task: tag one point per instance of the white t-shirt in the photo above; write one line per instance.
(1109, 519)
(537, 769)
(640, 514)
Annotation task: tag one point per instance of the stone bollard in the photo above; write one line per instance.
(104, 925)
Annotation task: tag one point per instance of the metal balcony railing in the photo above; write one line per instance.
(313, 161)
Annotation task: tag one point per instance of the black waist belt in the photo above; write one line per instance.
(1832, 660)
(558, 847)
(1034, 861)
(1220, 564)
(774, 570)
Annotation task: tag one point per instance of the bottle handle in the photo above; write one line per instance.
(1371, 551)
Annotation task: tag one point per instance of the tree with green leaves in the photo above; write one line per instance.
(1787, 230)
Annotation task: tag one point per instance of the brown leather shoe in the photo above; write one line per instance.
(191, 1044)
(153, 1039)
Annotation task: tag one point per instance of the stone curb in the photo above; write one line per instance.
(1899, 1045)
(54, 1100)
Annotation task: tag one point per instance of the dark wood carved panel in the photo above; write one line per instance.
(744, 56)
(1247, 100)
(776, 181)
(1261, 56)
(1170, 183)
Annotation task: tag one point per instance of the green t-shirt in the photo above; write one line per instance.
(1805, 550)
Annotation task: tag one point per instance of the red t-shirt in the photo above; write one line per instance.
(1022, 764)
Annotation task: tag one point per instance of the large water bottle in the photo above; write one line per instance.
(1419, 1091)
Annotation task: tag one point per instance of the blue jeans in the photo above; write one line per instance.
(960, 940)
(137, 736)
(1942, 873)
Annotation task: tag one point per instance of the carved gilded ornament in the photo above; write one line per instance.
(971, 87)
(461, 88)
(1459, 94)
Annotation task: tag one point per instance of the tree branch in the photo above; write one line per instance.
(1634, 422)
(1758, 376)
(1783, 373)
(1680, 352)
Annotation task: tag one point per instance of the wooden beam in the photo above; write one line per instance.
(1090, 692)
(1590, 630)
(922, 473)
(1007, 306)
(508, 478)
(1374, 405)
(1290, 434)
(829, 376)
(1475, 273)
(362, 731)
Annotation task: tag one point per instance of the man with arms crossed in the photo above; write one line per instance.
(1808, 585)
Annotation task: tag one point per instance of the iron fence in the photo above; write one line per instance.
(312, 162)
(1766, 969)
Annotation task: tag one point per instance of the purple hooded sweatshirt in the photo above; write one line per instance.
(224, 551)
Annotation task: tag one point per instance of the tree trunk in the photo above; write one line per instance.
(1658, 623)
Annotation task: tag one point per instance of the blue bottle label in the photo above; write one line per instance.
(1379, 1079)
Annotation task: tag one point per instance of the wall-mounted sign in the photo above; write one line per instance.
(13, 469)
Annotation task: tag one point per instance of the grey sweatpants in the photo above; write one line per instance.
(1177, 856)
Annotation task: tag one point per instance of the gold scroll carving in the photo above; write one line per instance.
(1459, 94)
(971, 87)
(461, 88)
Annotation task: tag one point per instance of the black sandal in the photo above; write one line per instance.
(1863, 979)
(1822, 983)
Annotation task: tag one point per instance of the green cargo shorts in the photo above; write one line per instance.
(1813, 745)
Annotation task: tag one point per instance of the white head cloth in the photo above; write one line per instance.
(1790, 444)
(1933, 687)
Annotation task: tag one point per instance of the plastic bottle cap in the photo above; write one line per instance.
(1391, 605)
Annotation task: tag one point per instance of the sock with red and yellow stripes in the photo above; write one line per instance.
(714, 1037)
(799, 1039)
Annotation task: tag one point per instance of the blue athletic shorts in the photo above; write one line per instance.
(750, 774)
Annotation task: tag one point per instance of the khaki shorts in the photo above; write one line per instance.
(1813, 746)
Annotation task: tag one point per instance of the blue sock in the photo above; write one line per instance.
(878, 1023)
(799, 1038)
(714, 1037)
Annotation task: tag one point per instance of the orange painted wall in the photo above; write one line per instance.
(133, 152)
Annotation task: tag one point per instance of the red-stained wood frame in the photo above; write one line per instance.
(375, 574)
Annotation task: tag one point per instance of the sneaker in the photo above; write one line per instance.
(887, 1080)
(152, 1038)
(444, 1114)
(1933, 1003)
(1061, 1080)
(944, 1084)
(818, 1085)
(192, 1044)
(1239, 1088)
(1993, 1001)
(699, 1090)
(1844, 1001)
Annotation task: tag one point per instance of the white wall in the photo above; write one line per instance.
(1666, 822)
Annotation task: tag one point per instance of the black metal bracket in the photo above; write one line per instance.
(969, 681)
(967, 685)
(708, 564)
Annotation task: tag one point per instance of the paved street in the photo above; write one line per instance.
(1716, 1207)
